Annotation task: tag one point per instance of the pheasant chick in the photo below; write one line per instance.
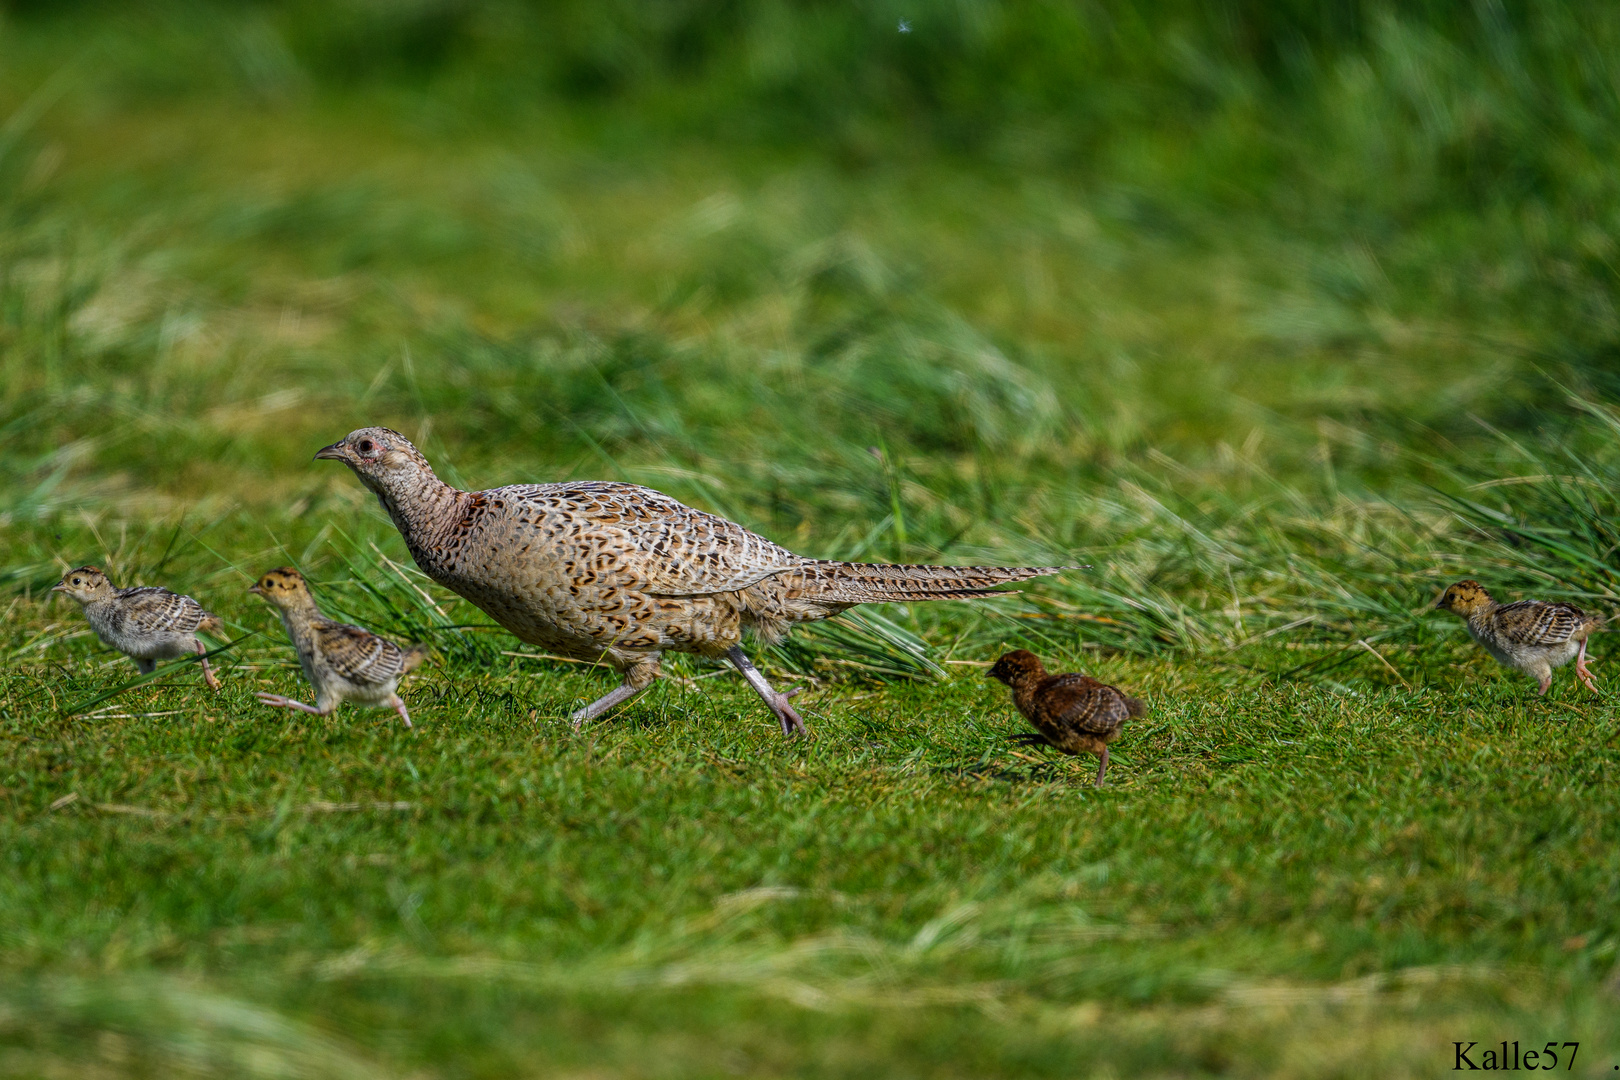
(146, 623)
(1073, 713)
(342, 662)
(1532, 636)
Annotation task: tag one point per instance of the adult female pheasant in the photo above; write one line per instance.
(619, 574)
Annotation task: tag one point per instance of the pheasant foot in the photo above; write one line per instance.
(1582, 671)
(791, 721)
(287, 703)
(208, 674)
(612, 699)
(399, 706)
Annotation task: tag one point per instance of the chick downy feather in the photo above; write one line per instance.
(342, 662)
(1532, 636)
(146, 623)
(1074, 713)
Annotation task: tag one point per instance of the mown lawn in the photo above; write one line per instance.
(1341, 840)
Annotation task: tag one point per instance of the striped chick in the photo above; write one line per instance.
(145, 623)
(1532, 636)
(342, 662)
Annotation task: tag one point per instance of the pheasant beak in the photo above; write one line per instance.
(336, 452)
(254, 588)
(60, 586)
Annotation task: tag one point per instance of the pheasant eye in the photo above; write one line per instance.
(365, 446)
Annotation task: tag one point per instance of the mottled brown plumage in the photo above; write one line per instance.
(1074, 713)
(619, 574)
(342, 662)
(1532, 636)
(145, 623)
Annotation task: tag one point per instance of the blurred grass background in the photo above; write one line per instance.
(1277, 315)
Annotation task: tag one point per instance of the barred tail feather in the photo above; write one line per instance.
(413, 658)
(866, 583)
(212, 625)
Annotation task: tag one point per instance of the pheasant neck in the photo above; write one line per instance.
(1024, 696)
(298, 611)
(422, 507)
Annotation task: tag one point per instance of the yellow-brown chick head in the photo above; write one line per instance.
(1464, 598)
(283, 587)
(85, 584)
(383, 459)
(1016, 667)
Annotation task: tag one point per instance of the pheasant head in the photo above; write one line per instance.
(383, 459)
(1017, 668)
(86, 584)
(1464, 598)
(285, 588)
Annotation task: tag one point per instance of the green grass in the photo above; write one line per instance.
(1287, 328)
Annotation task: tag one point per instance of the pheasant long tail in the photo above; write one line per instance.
(866, 583)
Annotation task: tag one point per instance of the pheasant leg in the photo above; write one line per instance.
(1102, 767)
(208, 674)
(612, 699)
(288, 703)
(399, 706)
(1582, 671)
(778, 703)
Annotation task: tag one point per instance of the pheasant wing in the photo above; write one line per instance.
(359, 655)
(644, 537)
(152, 610)
(1083, 704)
(1537, 622)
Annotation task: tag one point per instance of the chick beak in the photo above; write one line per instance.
(254, 588)
(335, 452)
(60, 586)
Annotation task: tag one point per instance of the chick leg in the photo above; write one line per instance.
(1102, 766)
(208, 674)
(288, 703)
(399, 706)
(1546, 681)
(778, 703)
(1582, 671)
(612, 699)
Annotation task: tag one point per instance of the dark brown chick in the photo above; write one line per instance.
(1072, 712)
